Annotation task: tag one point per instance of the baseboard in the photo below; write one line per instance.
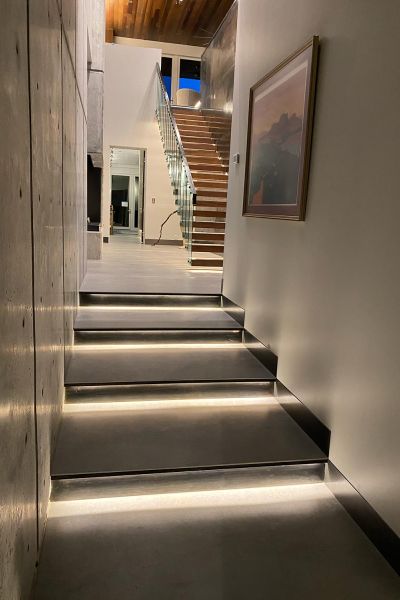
(314, 428)
(233, 310)
(261, 352)
(164, 242)
(366, 517)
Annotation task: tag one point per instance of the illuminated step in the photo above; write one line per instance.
(206, 428)
(272, 532)
(109, 363)
(114, 317)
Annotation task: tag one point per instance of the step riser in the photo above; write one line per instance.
(216, 249)
(149, 300)
(204, 155)
(165, 336)
(201, 193)
(216, 123)
(207, 237)
(192, 134)
(207, 262)
(190, 145)
(203, 183)
(207, 176)
(218, 214)
(139, 392)
(200, 130)
(208, 225)
(201, 166)
(210, 204)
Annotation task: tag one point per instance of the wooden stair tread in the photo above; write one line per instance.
(206, 141)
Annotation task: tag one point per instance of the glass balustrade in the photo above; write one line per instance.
(181, 178)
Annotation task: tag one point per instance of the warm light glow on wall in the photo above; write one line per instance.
(151, 308)
(172, 403)
(293, 498)
(160, 346)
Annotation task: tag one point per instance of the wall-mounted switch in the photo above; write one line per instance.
(236, 158)
(153, 200)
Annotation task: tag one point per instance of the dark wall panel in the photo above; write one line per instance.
(93, 192)
(17, 427)
(218, 65)
(46, 117)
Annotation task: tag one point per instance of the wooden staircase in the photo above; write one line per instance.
(205, 137)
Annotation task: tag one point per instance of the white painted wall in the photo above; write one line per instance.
(175, 51)
(166, 48)
(129, 120)
(325, 294)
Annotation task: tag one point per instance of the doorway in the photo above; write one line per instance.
(127, 190)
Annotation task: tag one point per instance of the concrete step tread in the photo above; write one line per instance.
(176, 434)
(120, 318)
(98, 364)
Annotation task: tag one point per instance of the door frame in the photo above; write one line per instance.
(141, 172)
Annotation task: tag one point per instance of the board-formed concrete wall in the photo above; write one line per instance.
(325, 294)
(42, 257)
(17, 417)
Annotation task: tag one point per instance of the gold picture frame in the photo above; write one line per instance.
(281, 111)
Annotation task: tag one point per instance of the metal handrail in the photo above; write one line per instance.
(176, 132)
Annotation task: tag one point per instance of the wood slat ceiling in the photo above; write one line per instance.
(192, 22)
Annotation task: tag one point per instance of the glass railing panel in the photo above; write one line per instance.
(178, 168)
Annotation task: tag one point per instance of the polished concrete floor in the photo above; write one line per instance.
(201, 536)
(128, 267)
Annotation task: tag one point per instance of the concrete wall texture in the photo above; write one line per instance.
(130, 121)
(325, 294)
(42, 255)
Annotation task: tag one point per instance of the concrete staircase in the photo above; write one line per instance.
(179, 472)
(205, 137)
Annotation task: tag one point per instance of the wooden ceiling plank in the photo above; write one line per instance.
(170, 20)
(144, 32)
(200, 33)
(194, 22)
(140, 17)
(153, 20)
(165, 11)
(134, 16)
(186, 15)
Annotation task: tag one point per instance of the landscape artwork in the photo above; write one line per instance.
(279, 138)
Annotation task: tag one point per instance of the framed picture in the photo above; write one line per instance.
(279, 138)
